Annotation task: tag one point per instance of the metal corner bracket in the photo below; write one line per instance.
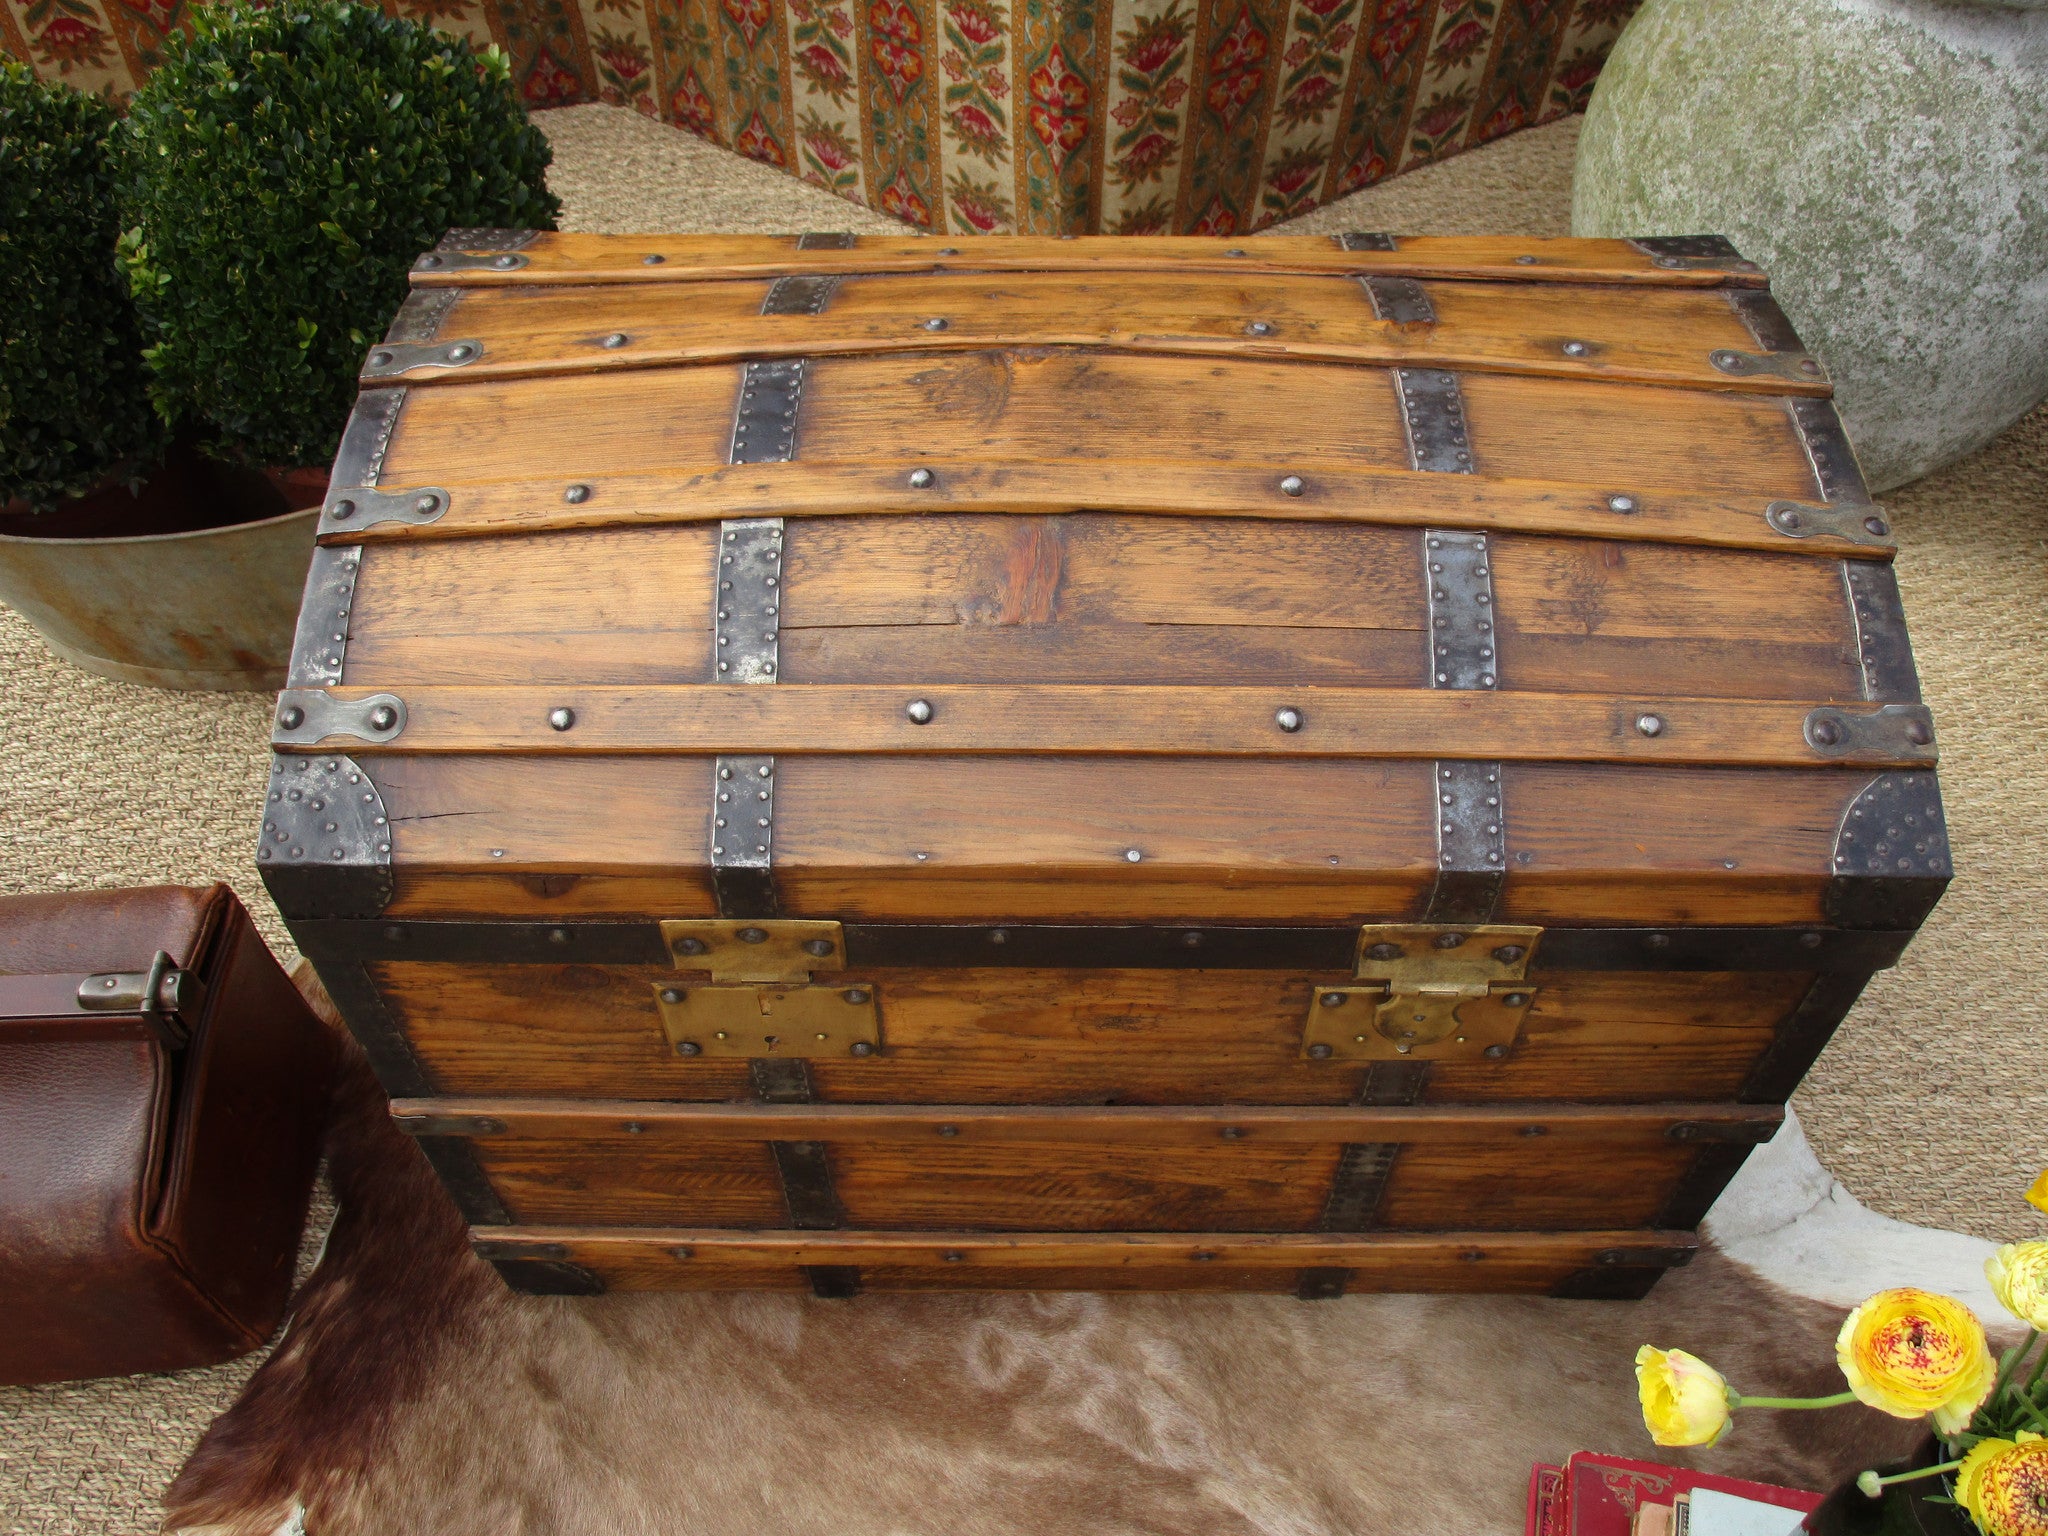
(1430, 991)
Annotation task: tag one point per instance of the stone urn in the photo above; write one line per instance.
(1886, 161)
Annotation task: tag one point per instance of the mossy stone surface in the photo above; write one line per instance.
(1887, 162)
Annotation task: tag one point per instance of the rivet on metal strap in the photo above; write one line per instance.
(351, 509)
(799, 295)
(307, 716)
(1458, 579)
(1433, 415)
(743, 836)
(1866, 524)
(469, 261)
(1400, 300)
(748, 600)
(320, 648)
(765, 418)
(1784, 365)
(387, 360)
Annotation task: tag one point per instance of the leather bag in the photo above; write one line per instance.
(163, 1091)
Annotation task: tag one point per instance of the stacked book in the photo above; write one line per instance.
(1594, 1495)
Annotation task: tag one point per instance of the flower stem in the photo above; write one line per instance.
(1742, 1400)
(1907, 1477)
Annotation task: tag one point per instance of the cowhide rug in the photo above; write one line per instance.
(412, 1393)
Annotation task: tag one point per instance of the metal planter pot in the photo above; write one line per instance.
(211, 609)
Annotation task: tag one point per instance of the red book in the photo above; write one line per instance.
(1546, 1502)
(1601, 1493)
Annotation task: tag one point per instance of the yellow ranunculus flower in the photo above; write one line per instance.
(2004, 1485)
(2018, 1273)
(2037, 1195)
(1908, 1352)
(1685, 1401)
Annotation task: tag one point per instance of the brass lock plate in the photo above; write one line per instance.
(1363, 1023)
(764, 949)
(1426, 992)
(799, 1021)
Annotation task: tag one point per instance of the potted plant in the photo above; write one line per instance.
(1914, 1355)
(84, 461)
(276, 177)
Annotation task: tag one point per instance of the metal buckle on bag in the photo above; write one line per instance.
(761, 1001)
(1428, 991)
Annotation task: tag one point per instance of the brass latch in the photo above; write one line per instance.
(761, 1000)
(1428, 991)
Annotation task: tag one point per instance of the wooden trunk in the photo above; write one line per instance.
(1105, 763)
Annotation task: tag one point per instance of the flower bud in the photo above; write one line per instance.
(1685, 1401)
(2018, 1273)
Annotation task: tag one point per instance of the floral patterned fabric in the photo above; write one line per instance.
(1005, 116)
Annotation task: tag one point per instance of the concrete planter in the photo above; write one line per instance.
(1884, 160)
(212, 609)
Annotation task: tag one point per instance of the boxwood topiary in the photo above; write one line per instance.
(74, 407)
(290, 163)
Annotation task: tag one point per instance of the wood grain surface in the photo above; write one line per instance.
(953, 1167)
(1134, 721)
(1648, 335)
(671, 1258)
(1081, 1036)
(553, 258)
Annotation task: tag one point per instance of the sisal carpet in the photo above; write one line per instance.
(1932, 1103)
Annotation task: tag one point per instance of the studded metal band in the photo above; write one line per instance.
(1835, 468)
(321, 648)
(801, 295)
(1401, 300)
(1364, 240)
(487, 239)
(743, 836)
(1433, 415)
(367, 437)
(1681, 253)
(1471, 820)
(838, 240)
(419, 317)
(1363, 1169)
(1764, 320)
(764, 422)
(1882, 649)
(748, 600)
(1460, 587)
(1471, 843)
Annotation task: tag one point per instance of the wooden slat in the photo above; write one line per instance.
(558, 258)
(1394, 497)
(681, 1258)
(1035, 1168)
(1127, 721)
(1076, 1036)
(1102, 410)
(1010, 839)
(652, 1124)
(1653, 336)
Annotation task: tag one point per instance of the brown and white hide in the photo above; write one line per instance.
(413, 1395)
